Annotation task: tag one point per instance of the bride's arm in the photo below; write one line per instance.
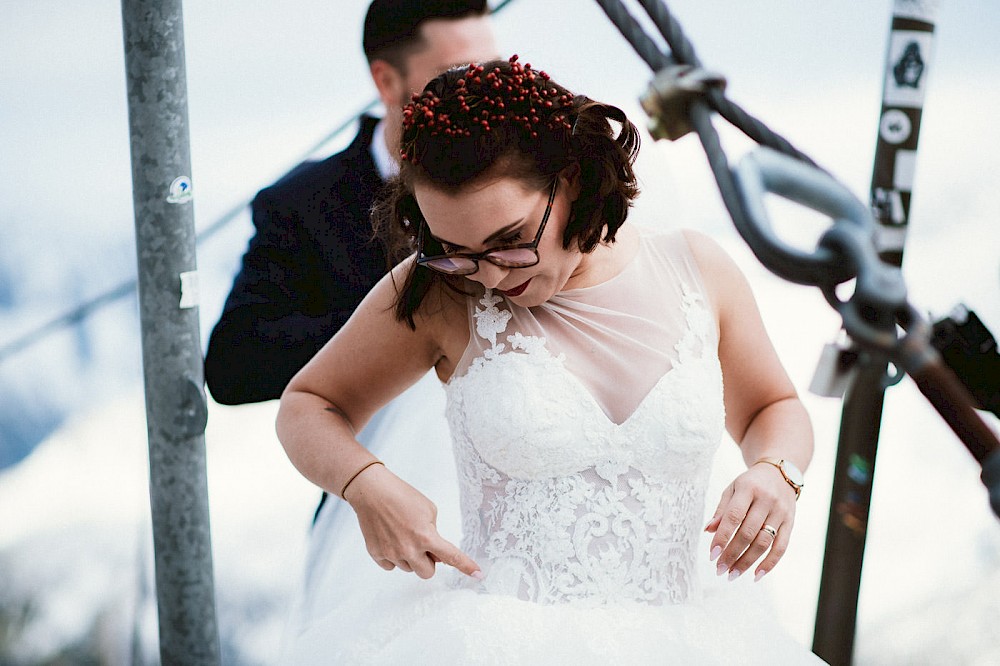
(764, 416)
(372, 359)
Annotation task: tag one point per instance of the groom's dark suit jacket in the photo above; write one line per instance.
(306, 269)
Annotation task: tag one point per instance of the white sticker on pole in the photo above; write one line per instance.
(920, 10)
(180, 190)
(895, 126)
(904, 169)
(890, 239)
(906, 70)
(189, 290)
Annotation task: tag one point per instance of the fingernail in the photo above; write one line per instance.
(734, 574)
(478, 575)
(721, 569)
(760, 574)
(715, 554)
(707, 525)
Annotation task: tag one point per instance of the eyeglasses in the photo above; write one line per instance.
(467, 263)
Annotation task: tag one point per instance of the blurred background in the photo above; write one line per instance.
(268, 81)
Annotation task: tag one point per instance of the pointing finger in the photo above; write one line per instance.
(448, 553)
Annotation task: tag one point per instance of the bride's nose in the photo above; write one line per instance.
(489, 275)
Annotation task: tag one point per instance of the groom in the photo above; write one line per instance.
(312, 258)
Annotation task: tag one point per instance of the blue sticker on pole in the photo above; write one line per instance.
(180, 190)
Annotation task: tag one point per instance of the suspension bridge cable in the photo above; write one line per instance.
(635, 35)
(127, 287)
(683, 53)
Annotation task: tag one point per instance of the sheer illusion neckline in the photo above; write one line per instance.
(632, 259)
(617, 340)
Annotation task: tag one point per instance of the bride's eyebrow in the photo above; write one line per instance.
(503, 231)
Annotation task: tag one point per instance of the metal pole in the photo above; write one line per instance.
(847, 526)
(176, 410)
(905, 84)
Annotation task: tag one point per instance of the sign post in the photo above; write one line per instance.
(176, 410)
(907, 62)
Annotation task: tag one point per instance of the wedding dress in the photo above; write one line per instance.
(583, 434)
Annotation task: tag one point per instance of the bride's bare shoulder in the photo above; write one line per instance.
(442, 315)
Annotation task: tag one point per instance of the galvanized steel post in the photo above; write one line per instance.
(176, 410)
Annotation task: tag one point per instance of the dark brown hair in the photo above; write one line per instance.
(392, 27)
(503, 119)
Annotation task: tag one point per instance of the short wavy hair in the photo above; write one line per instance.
(449, 142)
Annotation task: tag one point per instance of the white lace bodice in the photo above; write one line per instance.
(584, 431)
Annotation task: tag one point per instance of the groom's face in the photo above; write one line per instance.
(447, 43)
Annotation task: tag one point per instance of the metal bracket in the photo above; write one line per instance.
(669, 97)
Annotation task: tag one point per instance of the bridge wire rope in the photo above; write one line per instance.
(79, 313)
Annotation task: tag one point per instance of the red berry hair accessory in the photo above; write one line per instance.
(482, 99)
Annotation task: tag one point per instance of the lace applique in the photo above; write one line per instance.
(491, 320)
(559, 503)
(530, 344)
(700, 324)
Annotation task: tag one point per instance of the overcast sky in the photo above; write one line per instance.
(268, 79)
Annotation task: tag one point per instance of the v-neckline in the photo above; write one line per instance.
(453, 382)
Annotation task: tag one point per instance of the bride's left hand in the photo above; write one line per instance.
(756, 499)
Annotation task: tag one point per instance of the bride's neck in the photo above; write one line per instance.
(606, 261)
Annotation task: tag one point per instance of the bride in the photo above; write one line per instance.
(589, 368)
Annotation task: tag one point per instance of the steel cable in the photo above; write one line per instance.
(128, 287)
(683, 53)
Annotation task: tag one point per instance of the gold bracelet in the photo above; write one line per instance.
(350, 480)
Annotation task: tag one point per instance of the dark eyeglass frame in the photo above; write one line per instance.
(474, 257)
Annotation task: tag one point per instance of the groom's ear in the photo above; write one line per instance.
(389, 82)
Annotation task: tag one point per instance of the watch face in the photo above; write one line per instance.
(793, 473)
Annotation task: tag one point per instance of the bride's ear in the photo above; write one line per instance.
(571, 177)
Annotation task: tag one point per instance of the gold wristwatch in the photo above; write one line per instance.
(791, 473)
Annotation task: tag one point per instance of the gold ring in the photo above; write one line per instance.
(770, 530)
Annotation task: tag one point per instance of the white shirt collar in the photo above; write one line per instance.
(386, 166)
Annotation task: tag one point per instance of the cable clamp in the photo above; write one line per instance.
(669, 96)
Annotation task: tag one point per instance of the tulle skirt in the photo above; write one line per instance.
(350, 611)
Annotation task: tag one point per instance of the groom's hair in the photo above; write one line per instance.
(392, 27)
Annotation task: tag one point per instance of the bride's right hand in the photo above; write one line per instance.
(400, 525)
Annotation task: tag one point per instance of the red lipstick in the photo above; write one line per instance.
(516, 291)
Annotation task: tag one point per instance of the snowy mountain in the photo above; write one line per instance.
(76, 548)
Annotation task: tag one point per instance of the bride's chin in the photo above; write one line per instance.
(529, 301)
